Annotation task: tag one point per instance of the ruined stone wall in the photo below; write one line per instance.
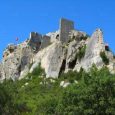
(54, 36)
(35, 41)
(65, 28)
(45, 41)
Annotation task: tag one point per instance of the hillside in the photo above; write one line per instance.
(62, 72)
(91, 93)
(57, 52)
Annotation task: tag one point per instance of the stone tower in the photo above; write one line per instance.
(100, 34)
(65, 28)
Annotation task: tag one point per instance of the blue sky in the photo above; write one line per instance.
(19, 17)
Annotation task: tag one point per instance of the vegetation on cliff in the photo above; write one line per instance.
(104, 58)
(94, 94)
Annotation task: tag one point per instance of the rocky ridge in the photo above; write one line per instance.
(56, 56)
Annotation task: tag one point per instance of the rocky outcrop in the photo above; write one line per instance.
(64, 84)
(54, 36)
(92, 53)
(73, 49)
(16, 62)
(94, 47)
(50, 59)
(1, 74)
(56, 56)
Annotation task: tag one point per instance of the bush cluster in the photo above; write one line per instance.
(81, 53)
(93, 95)
(104, 58)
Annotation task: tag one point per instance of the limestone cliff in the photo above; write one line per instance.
(60, 51)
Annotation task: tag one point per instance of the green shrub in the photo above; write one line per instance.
(38, 71)
(7, 103)
(30, 65)
(104, 58)
(114, 56)
(22, 108)
(47, 106)
(80, 54)
(84, 37)
(81, 38)
(93, 95)
(70, 40)
(70, 76)
(107, 48)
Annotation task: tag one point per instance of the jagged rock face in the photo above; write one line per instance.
(77, 35)
(73, 48)
(9, 49)
(26, 60)
(71, 58)
(95, 45)
(111, 58)
(51, 59)
(1, 70)
(92, 54)
(11, 65)
(54, 36)
(56, 57)
(16, 62)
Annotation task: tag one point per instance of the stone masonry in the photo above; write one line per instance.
(45, 41)
(35, 41)
(66, 26)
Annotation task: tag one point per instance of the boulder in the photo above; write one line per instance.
(51, 59)
(64, 84)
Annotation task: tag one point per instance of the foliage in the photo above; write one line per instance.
(104, 58)
(93, 95)
(4, 97)
(80, 54)
(84, 37)
(81, 38)
(114, 56)
(47, 105)
(38, 71)
(30, 65)
(107, 48)
(71, 76)
(7, 105)
(71, 39)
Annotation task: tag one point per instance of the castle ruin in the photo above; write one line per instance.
(19, 59)
(38, 41)
(66, 26)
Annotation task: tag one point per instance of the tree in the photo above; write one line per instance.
(94, 95)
